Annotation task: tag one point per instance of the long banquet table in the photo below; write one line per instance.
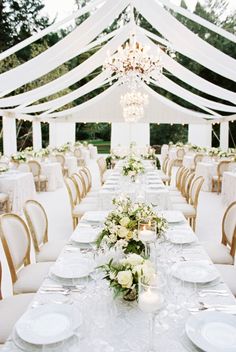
(114, 325)
(229, 187)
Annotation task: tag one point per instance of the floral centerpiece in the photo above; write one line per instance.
(179, 144)
(42, 153)
(64, 148)
(19, 157)
(132, 168)
(121, 225)
(124, 276)
(213, 152)
(3, 169)
(223, 154)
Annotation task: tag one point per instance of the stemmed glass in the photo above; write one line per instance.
(147, 234)
(151, 300)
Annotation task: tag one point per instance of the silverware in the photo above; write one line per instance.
(226, 308)
(213, 293)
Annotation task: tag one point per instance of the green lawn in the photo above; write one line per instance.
(103, 146)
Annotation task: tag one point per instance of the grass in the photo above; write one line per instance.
(103, 146)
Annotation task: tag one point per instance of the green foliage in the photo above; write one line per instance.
(163, 133)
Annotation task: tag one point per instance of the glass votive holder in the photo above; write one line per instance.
(147, 233)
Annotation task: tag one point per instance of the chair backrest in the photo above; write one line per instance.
(0, 280)
(195, 190)
(35, 167)
(164, 164)
(37, 222)
(180, 153)
(229, 228)
(101, 167)
(79, 182)
(178, 176)
(85, 176)
(15, 238)
(72, 191)
(183, 178)
(169, 167)
(187, 184)
(87, 171)
(222, 167)
(60, 159)
(198, 157)
(77, 153)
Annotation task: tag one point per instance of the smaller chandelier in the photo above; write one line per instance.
(133, 105)
(132, 63)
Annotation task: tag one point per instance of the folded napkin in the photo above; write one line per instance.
(85, 234)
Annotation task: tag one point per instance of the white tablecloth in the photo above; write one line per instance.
(188, 161)
(229, 187)
(71, 163)
(173, 153)
(113, 325)
(54, 175)
(207, 170)
(20, 187)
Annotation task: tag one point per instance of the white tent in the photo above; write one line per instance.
(105, 107)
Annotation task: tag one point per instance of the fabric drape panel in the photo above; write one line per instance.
(197, 100)
(71, 77)
(106, 107)
(186, 42)
(199, 20)
(186, 75)
(64, 50)
(54, 104)
(49, 29)
(9, 134)
(37, 135)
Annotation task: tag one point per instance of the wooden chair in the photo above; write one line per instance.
(197, 159)
(184, 197)
(224, 252)
(217, 179)
(46, 251)
(5, 202)
(39, 179)
(11, 309)
(190, 210)
(79, 157)
(61, 160)
(15, 236)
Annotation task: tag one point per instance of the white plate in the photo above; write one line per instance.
(173, 216)
(195, 271)
(181, 237)
(156, 186)
(212, 331)
(74, 269)
(48, 324)
(85, 235)
(95, 216)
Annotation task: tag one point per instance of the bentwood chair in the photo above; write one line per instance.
(61, 160)
(39, 179)
(224, 252)
(82, 195)
(104, 172)
(87, 180)
(36, 217)
(26, 277)
(78, 208)
(197, 159)
(217, 179)
(190, 210)
(79, 157)
(11, 309)
(184, 197)
(5, 202)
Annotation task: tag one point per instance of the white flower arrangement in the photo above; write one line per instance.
(213, 152)
(124, 276)
(19, 157)
(121, 225)
(3, 169)
(132, 167)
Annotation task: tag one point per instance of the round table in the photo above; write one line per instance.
(228, 187)
(54, 175)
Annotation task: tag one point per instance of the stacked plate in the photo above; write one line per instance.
(173, 216)
(212, 331)
(181, 236)
(95, 216)
(85, 234)
(50, 325)
(199, 272)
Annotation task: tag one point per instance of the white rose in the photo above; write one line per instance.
(134, 259)
(125, 278)
(124, 221)
(123, 232)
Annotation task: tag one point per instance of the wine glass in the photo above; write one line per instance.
(151, 300)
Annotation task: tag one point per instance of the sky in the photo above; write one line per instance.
(63, 8)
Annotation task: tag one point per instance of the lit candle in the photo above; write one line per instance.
(150, 302)
(147, 235)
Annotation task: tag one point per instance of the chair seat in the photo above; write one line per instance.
(187, 209)
(3, 197)
(31, 277)
(178, 199)
(219, 253)
(50, 251)
(228, 274)
(81, 208)
(175, 193)
(215, 178)
(41, 178)
(11, 309)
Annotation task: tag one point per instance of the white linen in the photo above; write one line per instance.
(207, 170)
(53, 172)
(9, 135)
(20, 187)
(228, 188)
(173, 153)
(37, 135)
(71, 163)
(188, 161)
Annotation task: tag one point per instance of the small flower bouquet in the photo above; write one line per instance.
(3, 169)
(121, 225)
(19, 157)
(223, 154)
(213, 152)
(124, 275)
(132, 168)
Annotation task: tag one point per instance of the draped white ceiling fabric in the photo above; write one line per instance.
(49, 29)
(106, 105)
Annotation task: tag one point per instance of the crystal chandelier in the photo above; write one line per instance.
(133, 105)
(132, 63)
